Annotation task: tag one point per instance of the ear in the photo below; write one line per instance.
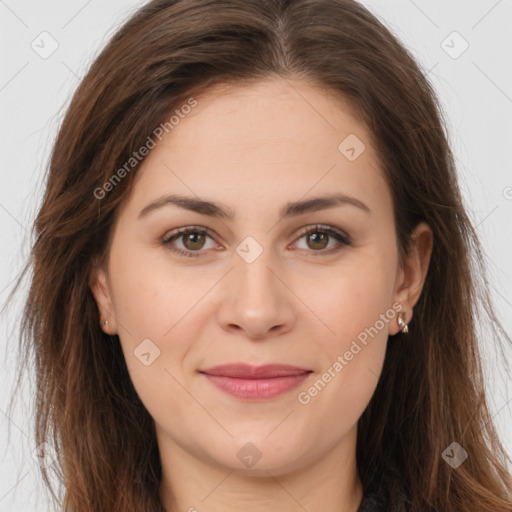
(100, 288)
(411, 277)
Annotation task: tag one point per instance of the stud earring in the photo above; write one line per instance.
(403, 326)
(104, 323)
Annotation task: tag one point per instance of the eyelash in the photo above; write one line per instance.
(339, 236)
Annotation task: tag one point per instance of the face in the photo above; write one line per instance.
(256, 287)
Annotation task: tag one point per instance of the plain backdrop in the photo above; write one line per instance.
(465, 45)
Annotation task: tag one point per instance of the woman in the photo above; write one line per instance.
(255, 285)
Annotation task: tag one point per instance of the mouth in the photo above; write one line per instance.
(250, 382)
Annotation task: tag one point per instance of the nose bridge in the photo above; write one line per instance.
(256, 300)
(256, 283)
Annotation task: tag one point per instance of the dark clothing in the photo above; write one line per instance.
(375, 498)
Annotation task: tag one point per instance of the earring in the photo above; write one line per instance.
(403, 326)
(104, 323)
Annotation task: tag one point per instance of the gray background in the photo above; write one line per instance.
(475, 88)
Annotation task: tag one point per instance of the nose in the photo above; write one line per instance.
(256, 299)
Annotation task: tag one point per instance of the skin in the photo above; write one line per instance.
(253, 149)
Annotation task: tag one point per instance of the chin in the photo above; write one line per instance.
(253, 458)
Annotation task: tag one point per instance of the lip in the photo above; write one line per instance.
(249, 371)
(250, 382)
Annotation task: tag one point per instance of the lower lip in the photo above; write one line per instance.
(257, 389)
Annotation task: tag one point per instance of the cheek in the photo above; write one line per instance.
(355, 312)
(351, 300)
(156, 334)
(152, 294)
(153, 305)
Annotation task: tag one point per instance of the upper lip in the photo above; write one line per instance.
(248, 371)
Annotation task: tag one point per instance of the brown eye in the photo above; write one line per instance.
(193, 241)
(319, 240)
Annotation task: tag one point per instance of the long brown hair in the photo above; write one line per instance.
(431, 391)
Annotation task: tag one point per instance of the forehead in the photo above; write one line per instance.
(267, 140)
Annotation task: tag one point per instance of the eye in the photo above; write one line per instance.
(317, 238)
(193, 240)
(192, 237)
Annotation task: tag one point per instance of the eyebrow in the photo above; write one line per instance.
(220, 211)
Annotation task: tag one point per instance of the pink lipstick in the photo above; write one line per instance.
(250, 382)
